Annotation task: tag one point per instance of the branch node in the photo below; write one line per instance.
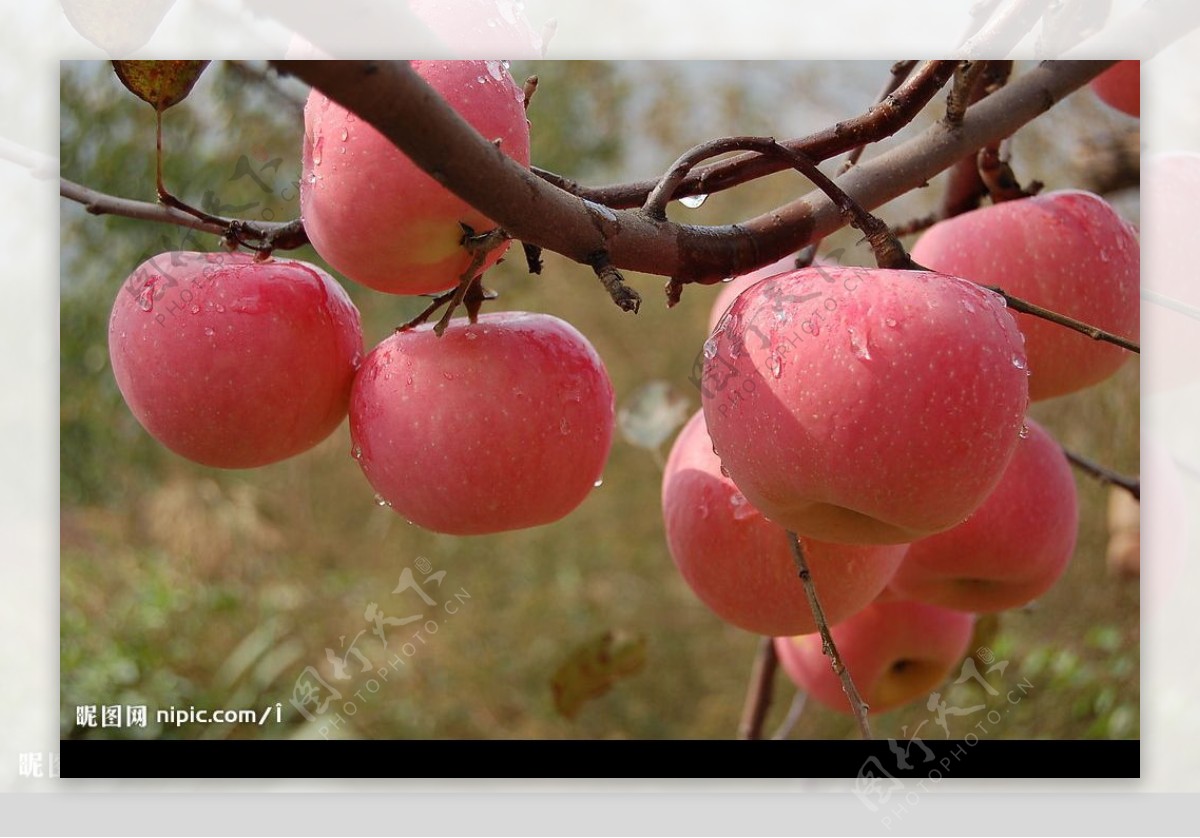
(625, 297)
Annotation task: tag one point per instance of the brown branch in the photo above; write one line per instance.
(882, 120)
(857, 706)
(274, 235)
(1105, 474)
(899, 72)
(962, 92)
(758, 695)
(392, 98)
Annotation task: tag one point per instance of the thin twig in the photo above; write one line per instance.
(899, 72)
(528, 89)
(276, 235)
(1093, 332)
(625, 297)
(760, 691)
(1105, 474)
(966, 77)
(999, 178)
(881, 120)
(795, 711)
(656, 202)
(857, 706)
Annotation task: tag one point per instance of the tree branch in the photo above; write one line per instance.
(1105, 474)
(273, 235)
(394, 99)
(758, 696)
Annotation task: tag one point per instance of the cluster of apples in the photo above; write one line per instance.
(236, 362)
(881, 416)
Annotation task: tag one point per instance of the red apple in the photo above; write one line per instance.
(1066, 251)
(1013, 548)
(497, 425)
(373, 214)
(740, 564)
(865, 406)
(1120, 87)
(730, 290)
(895, 652)
(232, 362)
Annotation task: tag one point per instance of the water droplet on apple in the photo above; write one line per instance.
(598, 483)
(1024, 433)
(693, 201)
(380, 500)
(208, 332)
(345, 135)
(710, 348)
(890, 323)
(741, 507)
(775, 364)
(859, 345)
(356, 452)
(1018, 362)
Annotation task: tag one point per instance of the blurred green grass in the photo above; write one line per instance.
(183, 585)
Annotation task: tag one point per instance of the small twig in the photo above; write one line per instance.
(1026, 307)
(530, 88)
(857, 706)
(1105, 474)
(275, 235)
(966, 76)
(881, 120)
(795, 711)
(656, 202)
(997, 175)
(625, 297)
(899, 72)
(760, 691)
(533, 257)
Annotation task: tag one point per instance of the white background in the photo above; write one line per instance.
(36, 36)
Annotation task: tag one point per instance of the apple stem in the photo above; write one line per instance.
(1104, 474)
(857, 706)
(1026, 307)
(758, 696)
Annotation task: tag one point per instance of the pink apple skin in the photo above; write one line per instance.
(373, 214)
(740, 564)
(231, 362)
(865, 406)
(730, 290)
(1066, 251)
(1120, 87)
(499, 425)
(1170, 207)
(896, 652)
(1013, 548)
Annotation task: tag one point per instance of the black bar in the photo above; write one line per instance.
(530, 759)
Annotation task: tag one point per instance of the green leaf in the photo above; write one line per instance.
(159, 83)
(592, 669)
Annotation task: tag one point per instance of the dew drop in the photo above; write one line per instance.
(1024, 434)
(710, 348)
(724, 471)
(729, 279)
(341, 149)
(220, 308)
(380, 500)
(195, 309)
(208, 332)
(741, 507)
(890, 323)
(1018, 362)
(598, 483)
(693, 201)
(775, 365)
(858, 345)
(356, 452)
(345, 135)
(481, 79)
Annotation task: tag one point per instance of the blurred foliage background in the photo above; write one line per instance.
(187, 586)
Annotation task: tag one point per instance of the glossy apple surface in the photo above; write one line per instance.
(373, 214)
(1013, 548)
(232, 362)
(740, 564)
(1066, 251)
(896, 652)
(865, 406)
(498, 425)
